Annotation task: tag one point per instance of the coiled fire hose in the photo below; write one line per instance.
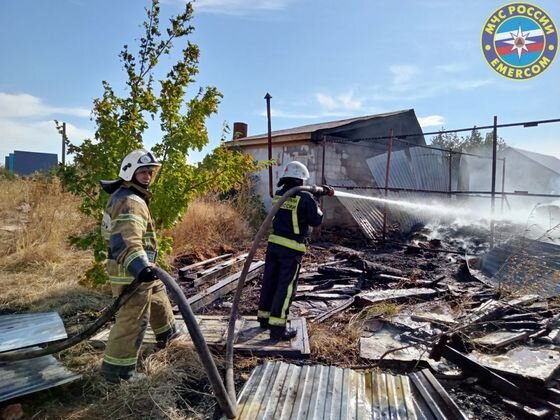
(313, 189)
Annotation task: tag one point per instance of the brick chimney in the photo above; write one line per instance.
(239, 130)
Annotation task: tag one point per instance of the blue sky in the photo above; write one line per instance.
(320, 61)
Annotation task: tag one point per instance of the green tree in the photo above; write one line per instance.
(122, 120)
(473, 143)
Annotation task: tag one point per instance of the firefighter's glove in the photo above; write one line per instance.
(147, 275)
(327, 190)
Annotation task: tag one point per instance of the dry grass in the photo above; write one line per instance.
(39, 270)
(210, 227)
(44, 216)
(175, 387)
(175, 382)
(335, 342)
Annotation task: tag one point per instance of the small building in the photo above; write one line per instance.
(26, 163)
(335, 152)
(531, 171)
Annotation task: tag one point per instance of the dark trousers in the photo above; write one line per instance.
(279, 285)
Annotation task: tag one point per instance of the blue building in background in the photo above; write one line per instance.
(25, 163)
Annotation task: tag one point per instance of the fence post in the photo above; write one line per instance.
(494, 153)
(387, 167)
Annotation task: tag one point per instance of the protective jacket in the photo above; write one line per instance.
(128, 228)
(291, 223)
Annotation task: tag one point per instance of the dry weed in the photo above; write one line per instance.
(45, 216)
(335, 342)
(377, 311)
(175, 384)
(38, 268)
(210, 227)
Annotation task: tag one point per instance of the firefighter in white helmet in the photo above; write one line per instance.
(128, 229)
(286, 247)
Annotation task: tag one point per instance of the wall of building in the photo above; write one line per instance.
(26, 163)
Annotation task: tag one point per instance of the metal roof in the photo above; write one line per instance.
(311, 128)
(549, 162)
(24, 330)
(33, 375)
(278, 390)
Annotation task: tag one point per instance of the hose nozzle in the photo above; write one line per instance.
(320, 190)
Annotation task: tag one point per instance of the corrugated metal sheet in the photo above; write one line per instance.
(24, 330)
(367, 214)
(532, 266)
(279, 390)
(413, 168)
(28, 376)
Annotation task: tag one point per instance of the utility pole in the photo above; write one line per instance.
(64, 144)
(268, 97)
(62, 130)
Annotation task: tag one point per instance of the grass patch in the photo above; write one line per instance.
(209, 228)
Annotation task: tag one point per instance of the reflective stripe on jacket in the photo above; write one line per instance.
(128, 229)
(291, 223)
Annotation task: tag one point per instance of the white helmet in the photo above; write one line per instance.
(295, 170)
(135, 160)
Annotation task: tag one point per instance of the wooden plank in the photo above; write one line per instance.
(217, 271)
(222, 288)
(199, 264)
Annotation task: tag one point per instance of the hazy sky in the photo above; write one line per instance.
(320, 60)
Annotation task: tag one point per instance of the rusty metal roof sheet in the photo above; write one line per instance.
(24, 330)
(278, 390)
(33, 375)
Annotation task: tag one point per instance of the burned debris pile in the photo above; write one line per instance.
(449, 317)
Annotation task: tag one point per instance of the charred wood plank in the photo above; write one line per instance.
(388, 278)
(436, 396)
(515, 325)
(223, 287)
(322, 296)
(340, 271)
(500, 339)
(377, 296)
(470, 367)
(372, 268)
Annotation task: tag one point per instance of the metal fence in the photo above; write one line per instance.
(403, 170)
